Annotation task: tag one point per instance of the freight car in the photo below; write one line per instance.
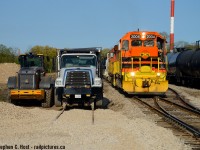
(184, 66)
(137, 65)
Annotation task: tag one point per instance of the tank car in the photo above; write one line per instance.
(137, 65)
(184, 66)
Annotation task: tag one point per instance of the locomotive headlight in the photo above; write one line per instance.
(158, 74)
(132, 74)
(143, 35)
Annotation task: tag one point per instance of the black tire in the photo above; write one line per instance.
(48, 102)
(98, 102)
(58, 97)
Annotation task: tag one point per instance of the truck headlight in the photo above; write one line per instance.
(58, 82)
(97, 81)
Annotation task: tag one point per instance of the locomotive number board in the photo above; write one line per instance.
(134, 36)
(150, 36)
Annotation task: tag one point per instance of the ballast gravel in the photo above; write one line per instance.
(121, 126)
(190, 94)
(74, 130)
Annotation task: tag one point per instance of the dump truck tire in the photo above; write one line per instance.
(48, 99)
(57, 97)
(98, 103)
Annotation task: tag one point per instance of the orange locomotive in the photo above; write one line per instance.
(137, 65)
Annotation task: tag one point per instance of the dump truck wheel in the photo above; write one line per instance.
(48, 99)
(58, 97)
(98, 103)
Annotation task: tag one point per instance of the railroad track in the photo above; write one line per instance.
(179, 115)
(185, 117)
(178, 99)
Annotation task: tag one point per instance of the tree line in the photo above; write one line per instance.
(9, 55)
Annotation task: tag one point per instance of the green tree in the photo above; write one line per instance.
(104, 53)
(48, 52)
(7, 54)
(165, 34)
(104, 56)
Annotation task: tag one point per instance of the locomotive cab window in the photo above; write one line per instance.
(149, 43)
(160, 43)
(125, 44)
(136, 43)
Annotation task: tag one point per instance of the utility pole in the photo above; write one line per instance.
(172, 26)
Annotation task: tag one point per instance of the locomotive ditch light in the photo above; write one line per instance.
(132, 74)
(158, 74)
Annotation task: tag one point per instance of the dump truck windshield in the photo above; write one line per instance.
(30, 61)
(78, 61)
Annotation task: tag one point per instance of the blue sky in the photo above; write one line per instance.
(88, 23)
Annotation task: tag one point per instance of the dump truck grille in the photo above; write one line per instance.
(26, 81)
(78, 78)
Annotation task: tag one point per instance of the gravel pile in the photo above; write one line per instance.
(74, 130)
(122, 126)
(7, 70)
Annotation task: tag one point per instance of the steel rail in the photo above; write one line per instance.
(182, 99)
(195, 111)
(189, 128)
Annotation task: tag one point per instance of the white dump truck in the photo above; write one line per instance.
(79, 77)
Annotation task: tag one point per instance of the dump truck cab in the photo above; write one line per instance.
(79, 79)
(31, 82)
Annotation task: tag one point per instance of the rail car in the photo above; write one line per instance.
(184, 66)
(137, 65)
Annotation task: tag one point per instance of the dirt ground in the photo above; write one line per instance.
(122, 126)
